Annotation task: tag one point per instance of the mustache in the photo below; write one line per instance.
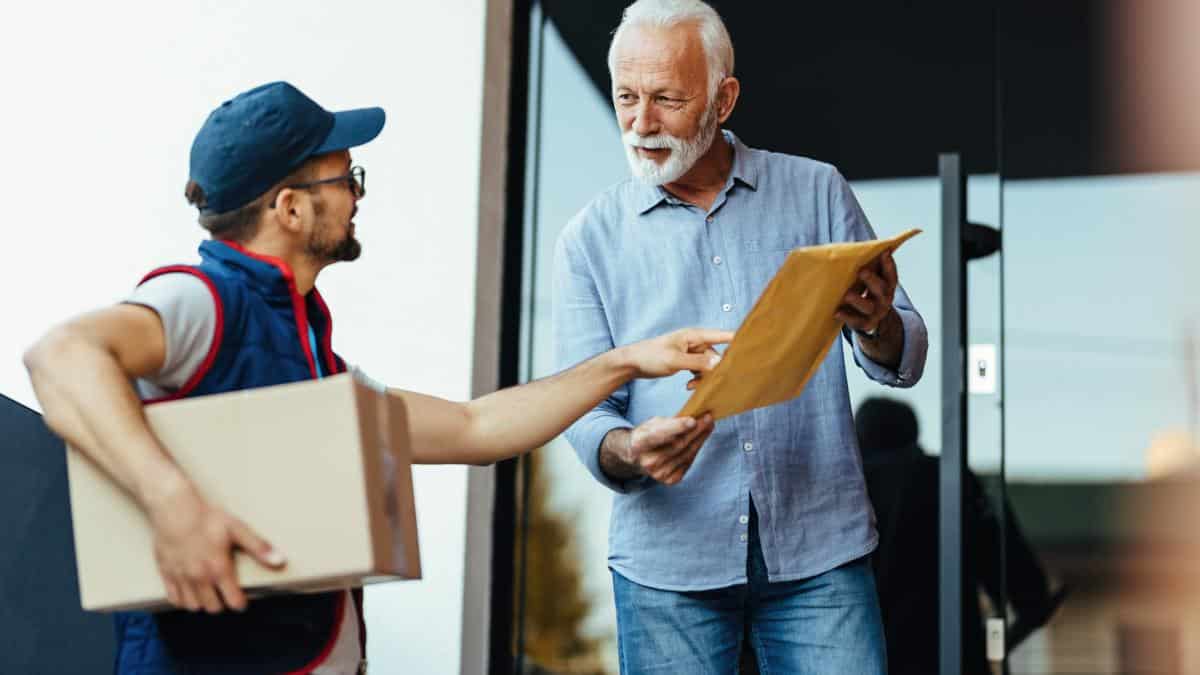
(657, 141)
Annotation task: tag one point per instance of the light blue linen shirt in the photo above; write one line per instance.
(636, 263)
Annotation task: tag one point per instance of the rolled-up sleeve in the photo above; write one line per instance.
(848, 222)
(581, 331)
(912, 359)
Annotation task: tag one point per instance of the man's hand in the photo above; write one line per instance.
(869, 302)
(486, 430)
(194, 543)
(661, 448)
(687, 349)
(867, 309)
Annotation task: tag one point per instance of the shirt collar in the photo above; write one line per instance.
(744, 171)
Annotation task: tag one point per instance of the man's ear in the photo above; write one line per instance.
(727, 96)
(289, 204)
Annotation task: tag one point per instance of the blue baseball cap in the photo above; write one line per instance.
(256, 139)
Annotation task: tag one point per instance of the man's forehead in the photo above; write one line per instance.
(648, 49)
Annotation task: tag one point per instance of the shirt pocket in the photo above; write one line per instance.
(775, 243)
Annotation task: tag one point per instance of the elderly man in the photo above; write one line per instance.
(271, 174)
(771, 529)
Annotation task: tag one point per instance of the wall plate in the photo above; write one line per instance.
(995, 640)
(982, 369)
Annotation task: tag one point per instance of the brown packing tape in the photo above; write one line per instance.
(391, 504)
(788, 332)
(395, 470)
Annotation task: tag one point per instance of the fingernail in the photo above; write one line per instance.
(712, 363)
(689, 423)
(275, 558)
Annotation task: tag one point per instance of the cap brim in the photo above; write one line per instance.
(352, 128)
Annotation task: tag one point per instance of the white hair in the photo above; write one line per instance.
(718, 48)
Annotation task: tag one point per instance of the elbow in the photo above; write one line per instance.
(34, 357)
(39, 361)
(41, 354)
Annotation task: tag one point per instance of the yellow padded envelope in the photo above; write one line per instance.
(789, 330)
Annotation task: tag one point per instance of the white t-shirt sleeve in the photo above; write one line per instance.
(188, 312)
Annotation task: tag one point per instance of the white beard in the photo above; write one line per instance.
(683, 155)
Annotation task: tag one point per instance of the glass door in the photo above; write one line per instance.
(1101, 172)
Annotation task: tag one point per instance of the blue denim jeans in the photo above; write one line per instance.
(824, 625)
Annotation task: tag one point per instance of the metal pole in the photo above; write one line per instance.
(954, 412)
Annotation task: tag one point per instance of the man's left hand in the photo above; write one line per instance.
(869, 302)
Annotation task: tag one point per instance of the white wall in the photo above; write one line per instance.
(101, 103)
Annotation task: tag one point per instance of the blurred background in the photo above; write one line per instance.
(1078, 122)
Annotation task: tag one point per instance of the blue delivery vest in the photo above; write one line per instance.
(262, 338)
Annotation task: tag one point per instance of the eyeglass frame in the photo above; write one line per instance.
(355, 180)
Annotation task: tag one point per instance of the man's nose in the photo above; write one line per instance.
(644, 121)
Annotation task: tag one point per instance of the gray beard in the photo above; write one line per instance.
(682, 158)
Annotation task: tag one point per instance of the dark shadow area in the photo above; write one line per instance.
(998, 562)
(879, 89)
(44, 629)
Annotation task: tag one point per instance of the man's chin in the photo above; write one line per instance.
(351, 254)
(347, 251)
(654, 174)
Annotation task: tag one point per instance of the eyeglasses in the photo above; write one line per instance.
(356, 181)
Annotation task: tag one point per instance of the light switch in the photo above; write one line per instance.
(982, 368)
(995, 640)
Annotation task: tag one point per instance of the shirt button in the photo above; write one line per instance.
(716, 260)
(744, 519)
(748, 447)
(743, 537)
(708, 219)
(727, 307)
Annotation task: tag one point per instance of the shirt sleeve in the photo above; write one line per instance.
(581, 332)
(188, 312)
(849, 223)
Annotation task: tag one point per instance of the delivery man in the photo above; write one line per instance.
(272, 177)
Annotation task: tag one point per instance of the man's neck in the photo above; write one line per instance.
(707, 177)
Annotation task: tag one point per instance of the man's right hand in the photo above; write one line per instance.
(194, 543)
(661, 448)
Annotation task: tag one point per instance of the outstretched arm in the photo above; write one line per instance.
(515, 420)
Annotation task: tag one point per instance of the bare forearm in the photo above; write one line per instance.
(511, 421)
(887, 347)
(518, 419)
(88, 401)
(613, 451)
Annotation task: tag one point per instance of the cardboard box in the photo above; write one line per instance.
(321, 469)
